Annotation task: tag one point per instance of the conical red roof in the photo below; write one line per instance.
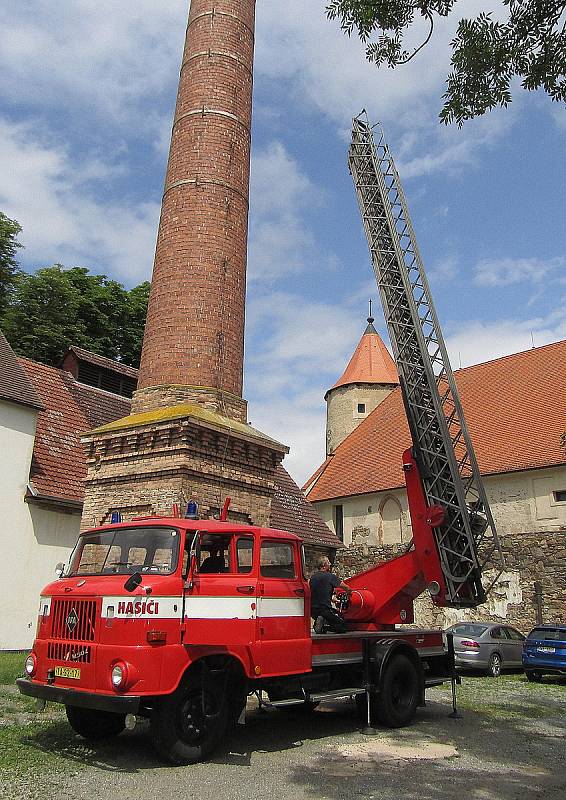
(371, 362)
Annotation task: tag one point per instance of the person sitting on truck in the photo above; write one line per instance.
(214, 562)
(323, 582)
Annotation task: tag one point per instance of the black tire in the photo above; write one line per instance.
(396, 703)
(187, 725)
(494, 665)
(95, 725)
(533, 675)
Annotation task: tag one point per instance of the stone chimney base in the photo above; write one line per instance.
(145, 463)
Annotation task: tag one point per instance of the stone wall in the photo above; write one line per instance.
(529, 558)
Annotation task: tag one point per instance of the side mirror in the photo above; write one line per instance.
(60, 569)
(133, 582)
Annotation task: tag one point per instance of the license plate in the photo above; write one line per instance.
(73, 673)
(546, 649)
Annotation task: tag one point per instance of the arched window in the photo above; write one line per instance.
(391, 521)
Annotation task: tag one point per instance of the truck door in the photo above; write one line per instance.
(283, 614)
(220, 601)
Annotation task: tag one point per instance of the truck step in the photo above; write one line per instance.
(335, 694)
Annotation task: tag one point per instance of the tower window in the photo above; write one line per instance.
(560, 496)
(361, 408)
(339, 522)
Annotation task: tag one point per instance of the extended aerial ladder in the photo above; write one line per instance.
(465, 536)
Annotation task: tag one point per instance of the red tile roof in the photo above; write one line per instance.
(371, 362)
(291, 511)
(58, 466)
(15, 385)
(515, 409)
(98, 406)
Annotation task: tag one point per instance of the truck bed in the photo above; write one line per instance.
(346, 648)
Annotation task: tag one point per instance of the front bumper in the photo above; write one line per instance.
(118, 704)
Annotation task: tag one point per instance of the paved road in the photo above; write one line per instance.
(289, 756)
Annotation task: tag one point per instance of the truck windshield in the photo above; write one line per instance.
(123, 551)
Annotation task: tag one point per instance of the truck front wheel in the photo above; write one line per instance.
(95, 725)
(188, 725)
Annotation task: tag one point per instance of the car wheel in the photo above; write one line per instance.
(533, 675)
(494, 665)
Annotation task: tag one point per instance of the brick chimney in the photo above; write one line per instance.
(194, 333)
(187, 436)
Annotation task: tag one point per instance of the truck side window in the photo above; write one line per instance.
(277, 560)
(244, 554)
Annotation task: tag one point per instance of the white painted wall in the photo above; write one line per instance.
(32, 540)
(520, 502)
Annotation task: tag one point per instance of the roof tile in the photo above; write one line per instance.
(515, 409)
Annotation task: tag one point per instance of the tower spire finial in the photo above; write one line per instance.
(370, 318)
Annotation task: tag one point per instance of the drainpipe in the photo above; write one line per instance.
(538, 601)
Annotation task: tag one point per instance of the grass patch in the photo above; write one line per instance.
(11, 666)
(511, 696)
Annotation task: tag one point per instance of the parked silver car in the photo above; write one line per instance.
(487, 647)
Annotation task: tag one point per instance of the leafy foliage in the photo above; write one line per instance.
(9, 230)
(58, 307)
(486, 54)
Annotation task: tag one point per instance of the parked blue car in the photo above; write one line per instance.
(544, 652)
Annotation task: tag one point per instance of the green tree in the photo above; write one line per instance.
(486, 53)
(58, 307)
(9, 245)
(134, 323)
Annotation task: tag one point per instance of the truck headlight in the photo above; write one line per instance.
(119, 675)
(31, 665)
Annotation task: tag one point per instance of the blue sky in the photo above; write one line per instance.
(87, 99)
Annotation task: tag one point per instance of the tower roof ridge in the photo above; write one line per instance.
(370, 363)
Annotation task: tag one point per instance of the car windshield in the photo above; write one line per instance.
(548, 634)
(123, 551)
(468, 629)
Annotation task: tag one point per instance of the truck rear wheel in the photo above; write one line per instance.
(188, 725)
(95, 725)
(395, 704)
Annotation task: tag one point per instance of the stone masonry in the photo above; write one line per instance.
(187, 437)
(529, 558)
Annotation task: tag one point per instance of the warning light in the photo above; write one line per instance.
(192, 510)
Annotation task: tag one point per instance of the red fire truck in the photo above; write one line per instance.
(179, 620)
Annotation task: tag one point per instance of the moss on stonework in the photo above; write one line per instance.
(191, 410)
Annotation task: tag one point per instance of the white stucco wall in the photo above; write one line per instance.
(520, 502)
(32, 540)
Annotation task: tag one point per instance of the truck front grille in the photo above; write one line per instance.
(78, 653)
(73, 620)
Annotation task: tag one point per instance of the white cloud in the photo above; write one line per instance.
(106, 56)
(476, 342)
(297, 350)
(507, 271)
(62, 218)
(280, 241)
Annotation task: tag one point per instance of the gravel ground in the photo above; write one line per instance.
(508, 745)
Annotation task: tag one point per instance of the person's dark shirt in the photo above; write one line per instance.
(322, 588)
(213, 564)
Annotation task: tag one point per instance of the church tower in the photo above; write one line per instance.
(187, 436)
(367, 380)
